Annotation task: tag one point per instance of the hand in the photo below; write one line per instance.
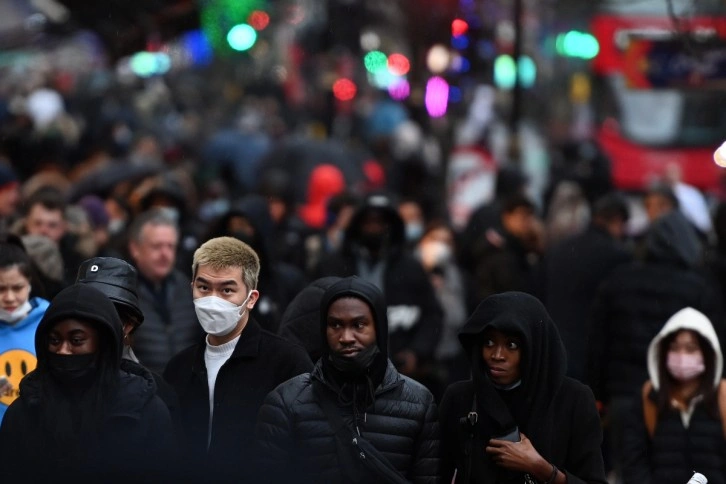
(516, 456)
(406, 362)
(5, 387)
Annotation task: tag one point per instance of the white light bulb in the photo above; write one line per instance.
(719, 156)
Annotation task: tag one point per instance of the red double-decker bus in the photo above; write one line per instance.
(660, 88)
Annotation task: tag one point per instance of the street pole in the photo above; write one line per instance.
(516, 113)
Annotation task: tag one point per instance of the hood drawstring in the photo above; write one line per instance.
(369, 399)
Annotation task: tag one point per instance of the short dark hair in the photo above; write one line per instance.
(610, 206)
(49, 197)
(516, 201)
(13, 254)
(663, 190)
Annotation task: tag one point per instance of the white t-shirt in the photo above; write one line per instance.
(214, 358)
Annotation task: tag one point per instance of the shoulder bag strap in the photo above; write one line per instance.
(350, 441)
(650, 410)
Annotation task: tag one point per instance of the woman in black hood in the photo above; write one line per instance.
(519, 419)
(78, 413)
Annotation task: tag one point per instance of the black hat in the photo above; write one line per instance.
(115, 278)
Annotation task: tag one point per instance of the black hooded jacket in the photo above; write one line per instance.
(297, 440)
(414, 314)
(637, 299)
(133, 438)
(555, 412)
(279, 282)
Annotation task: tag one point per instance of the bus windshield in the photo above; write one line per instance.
(661, 7)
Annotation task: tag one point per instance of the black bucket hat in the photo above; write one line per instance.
(115, 278)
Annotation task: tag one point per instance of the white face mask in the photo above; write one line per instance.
(217, 316)
(15, 316)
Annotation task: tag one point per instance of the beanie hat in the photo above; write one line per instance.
(96, 211)
(7, 175)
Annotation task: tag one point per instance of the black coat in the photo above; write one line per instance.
(501, 263)
(49, 432)
(636, 300)
(298, 443)
(572, 428)
(675, 451)
(573, 270)
(136, 437)
(558, 414)
(259, 363)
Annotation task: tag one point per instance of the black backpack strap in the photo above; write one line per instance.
(349, 442)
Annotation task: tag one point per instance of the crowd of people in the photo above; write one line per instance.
(184, 313)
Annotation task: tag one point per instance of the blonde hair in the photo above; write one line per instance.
(223, 252)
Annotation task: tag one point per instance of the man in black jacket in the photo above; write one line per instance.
(354, 418)
(222, 382)
(573, 270)
(374, 250)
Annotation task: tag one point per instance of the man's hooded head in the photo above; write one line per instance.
(376, 225)
(346, 329)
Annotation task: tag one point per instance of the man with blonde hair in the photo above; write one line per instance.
(222, 381)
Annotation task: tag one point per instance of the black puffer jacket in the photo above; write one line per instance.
(636, 300)
(134, 437)
(297, 440)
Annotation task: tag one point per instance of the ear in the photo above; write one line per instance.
(254, 296)
(133, 249)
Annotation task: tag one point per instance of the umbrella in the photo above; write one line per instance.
(103, 180)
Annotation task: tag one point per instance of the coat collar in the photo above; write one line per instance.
(248, 346)
(391, 379)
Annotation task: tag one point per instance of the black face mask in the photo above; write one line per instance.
(372, 242)
(355, 365)
(72, 369)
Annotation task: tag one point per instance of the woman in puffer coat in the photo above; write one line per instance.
(519, 419)
(79, 416)
(355, 383)
(679, 427)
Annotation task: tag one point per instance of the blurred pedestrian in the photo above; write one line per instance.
(20, 315)
(436, 251)
(45, 214)
(354, 418)
(249, 221)
(519, 418)
(679, 424)
(572, 271)
(79, 414)
(505, 256)
(222, 381)
(9, 196)
(165, 300)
